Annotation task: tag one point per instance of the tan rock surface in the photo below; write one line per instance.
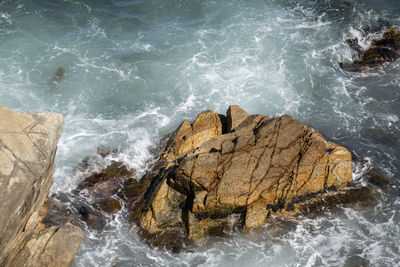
(275, 163)
(235, 116)
(262, 165)
(53, 246)
(28, 144)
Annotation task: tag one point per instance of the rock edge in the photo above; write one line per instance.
(28, 144)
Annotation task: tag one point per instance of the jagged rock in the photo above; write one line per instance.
(383, 50)
(235, 115)
(28, 143)
(165, 210)
(261, 166)
(189, 136)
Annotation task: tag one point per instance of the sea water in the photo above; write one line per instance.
(135, 69)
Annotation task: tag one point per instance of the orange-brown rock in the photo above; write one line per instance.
(262, 165)
(189, 136)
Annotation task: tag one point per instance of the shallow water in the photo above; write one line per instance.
(135, 69)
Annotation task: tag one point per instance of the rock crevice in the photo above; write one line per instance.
(222, 180)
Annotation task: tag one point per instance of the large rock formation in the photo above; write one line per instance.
(28, 143)
(382, 50)
(222, 172)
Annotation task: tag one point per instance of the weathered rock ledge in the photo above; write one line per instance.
(28, 144)
(225, 172)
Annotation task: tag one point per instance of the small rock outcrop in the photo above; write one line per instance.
(102, 192)
(28, 144)
(102, 186)
(225, 172)
(382, 50)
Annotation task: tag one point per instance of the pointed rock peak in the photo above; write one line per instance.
(206, 120)
(188, 136)
(234, 116)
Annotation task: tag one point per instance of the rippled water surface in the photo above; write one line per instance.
(135, 69)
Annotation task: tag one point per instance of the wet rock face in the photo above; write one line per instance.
(383, 50)
(104, 180)
(28, 144)
(100, 193)
(103, 186)
(219, 182)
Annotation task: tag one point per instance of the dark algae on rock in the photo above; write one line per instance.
(382, 50)
(100, 192)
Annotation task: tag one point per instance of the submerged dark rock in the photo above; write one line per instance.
(57, 77)
(111, 205)
(66, 208)
(60, 213)
(383, 136)
(353, 197)
(99, 193)
(348, 3)
(356, 261)
(111, 175)
(382, 50)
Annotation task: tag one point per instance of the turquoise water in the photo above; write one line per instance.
(135, 69)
